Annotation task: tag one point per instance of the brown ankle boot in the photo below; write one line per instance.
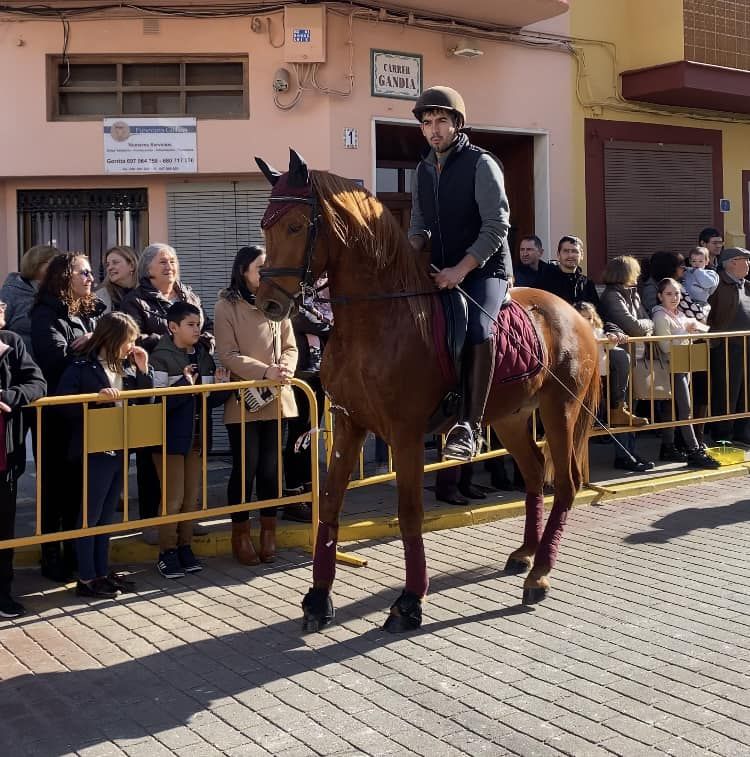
(621, 416)
(242, 547)
(267, 538)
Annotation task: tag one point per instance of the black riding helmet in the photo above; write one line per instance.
(440, 98)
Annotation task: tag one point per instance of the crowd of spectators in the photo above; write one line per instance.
(145, 327)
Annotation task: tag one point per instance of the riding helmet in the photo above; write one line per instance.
(443, 98)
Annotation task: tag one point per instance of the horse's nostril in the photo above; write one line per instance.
(273, 308)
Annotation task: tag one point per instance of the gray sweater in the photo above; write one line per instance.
(489, 194)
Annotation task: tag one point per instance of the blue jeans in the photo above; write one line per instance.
(105, 487)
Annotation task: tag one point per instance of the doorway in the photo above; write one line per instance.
(398, 148)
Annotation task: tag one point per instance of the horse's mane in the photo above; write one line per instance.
(360, 221)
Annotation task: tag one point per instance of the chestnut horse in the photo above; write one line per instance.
(381, 373)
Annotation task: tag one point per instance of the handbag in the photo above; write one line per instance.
(651, 380)
(257, 397)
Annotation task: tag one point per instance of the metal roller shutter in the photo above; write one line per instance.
(207, 224)
(657, 197)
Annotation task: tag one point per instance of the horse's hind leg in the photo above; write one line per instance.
(516, 435)
(408, 454)
(347, 444)
(559, 420)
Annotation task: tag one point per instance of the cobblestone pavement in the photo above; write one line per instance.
(641, 649)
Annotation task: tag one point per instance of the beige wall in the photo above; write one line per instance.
(510, 87)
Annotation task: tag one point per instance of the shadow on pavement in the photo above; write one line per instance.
(170, 688)
(683, 522)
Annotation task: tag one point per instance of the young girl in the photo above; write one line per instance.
(668, 321)
(111, 363)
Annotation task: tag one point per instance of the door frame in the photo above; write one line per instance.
(542, 189)
(746, 207)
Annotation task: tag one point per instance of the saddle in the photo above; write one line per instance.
(520, 351)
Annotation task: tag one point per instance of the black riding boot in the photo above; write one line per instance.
(464, 440)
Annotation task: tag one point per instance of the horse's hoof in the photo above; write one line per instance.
(516, 566)
(406, 614)
(318, 610)
(535, 595)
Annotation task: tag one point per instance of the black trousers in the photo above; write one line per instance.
(61, 478)
(297, 465)
(261, 465)
(149, 487)
(8, 495)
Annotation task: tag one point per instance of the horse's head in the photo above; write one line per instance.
(290, 225)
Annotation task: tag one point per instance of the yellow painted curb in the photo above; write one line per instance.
(131, 549)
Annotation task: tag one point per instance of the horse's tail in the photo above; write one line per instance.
(584, 424)
(589, 399)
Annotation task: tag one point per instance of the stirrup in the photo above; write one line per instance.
(460, 443)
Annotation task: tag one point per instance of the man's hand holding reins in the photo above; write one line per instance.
(453, 276)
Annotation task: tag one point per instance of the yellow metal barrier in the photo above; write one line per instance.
(126, 427)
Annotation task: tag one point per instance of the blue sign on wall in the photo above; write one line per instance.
(725, 206)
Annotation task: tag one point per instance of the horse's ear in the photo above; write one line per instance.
(270, 173)
(299, 174)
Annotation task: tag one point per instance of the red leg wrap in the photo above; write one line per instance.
(417, 580)
(324, 562)
(546, 554)
(532, 533)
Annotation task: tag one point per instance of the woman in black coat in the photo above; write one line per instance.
(62, 321)
(21, 382)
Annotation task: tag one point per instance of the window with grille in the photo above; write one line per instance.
(90, 87)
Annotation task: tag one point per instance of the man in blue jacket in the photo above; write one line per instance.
(459, 204)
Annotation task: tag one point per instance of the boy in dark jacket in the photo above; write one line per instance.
(21, 382)
(180, 359)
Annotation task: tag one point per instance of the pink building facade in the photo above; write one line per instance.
(353, 117)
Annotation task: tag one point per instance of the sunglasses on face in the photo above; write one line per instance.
(86, 273)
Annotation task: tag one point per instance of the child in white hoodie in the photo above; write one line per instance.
(700, 282)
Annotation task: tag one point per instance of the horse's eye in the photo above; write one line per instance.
(295, 228)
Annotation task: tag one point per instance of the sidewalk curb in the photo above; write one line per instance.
(129, 548)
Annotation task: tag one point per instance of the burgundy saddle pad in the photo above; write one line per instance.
(520, 354)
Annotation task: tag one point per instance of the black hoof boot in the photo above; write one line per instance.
(514, 566)
(535, 595)
(406, 614)
(318, 610)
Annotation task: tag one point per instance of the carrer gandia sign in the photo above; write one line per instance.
(396, 75)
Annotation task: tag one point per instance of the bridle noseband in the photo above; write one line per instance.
(305, 272)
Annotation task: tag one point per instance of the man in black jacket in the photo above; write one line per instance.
(21, 382)
(459, 203)
(566, 279)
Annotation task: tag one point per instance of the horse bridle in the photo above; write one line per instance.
(307, 282)
(304, 272)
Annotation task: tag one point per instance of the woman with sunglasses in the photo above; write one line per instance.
(62, 321)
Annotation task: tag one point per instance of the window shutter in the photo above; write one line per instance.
(207, 224)
(657, 197)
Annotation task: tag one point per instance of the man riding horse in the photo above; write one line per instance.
(459, 204)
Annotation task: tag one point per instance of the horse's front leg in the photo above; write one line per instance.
(347, 444)
(408, 455)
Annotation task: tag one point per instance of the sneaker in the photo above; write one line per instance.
(120, 582)
(99, 588)
(169, 564)
(634, 465)
(189, 562)
(9, 608)
(670, 454)
(699, 459)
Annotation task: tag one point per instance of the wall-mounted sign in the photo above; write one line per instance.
(724, 205)
(351, 138)
(150, 145)
(396, 75)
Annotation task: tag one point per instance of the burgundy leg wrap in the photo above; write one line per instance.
(546, 554)
(324, 562)
(417, 580)
(532, 532)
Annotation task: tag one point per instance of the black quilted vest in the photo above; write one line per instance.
(450, 211)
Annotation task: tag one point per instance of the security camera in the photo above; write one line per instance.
(281, 80)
